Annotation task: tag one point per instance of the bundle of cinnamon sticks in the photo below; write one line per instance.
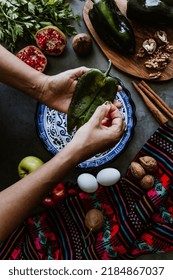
(159, 109)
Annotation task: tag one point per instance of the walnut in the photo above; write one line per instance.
(137, 170)
(148, 163)
(169, 48)
(147, 182)
(141, 53)
(157, 62)
(154, 75)
(151, 64)
(161, 37)
(161, 56)
(157, 51)
(150, 45)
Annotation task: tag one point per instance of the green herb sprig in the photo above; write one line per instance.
(20, 19)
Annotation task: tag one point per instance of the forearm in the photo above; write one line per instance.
(19, 75)
(18, 200)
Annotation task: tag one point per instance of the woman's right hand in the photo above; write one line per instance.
(94, 136)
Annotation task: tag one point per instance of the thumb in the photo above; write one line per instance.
(101, 112)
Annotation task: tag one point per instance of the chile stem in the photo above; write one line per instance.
(109, 68)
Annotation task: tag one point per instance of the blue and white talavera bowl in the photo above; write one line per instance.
(52, 130)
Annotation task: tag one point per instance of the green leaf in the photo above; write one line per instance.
(28, 25)
(1, 35)
(45, 23)
(18, 30)
(31, 8)
(20, 19)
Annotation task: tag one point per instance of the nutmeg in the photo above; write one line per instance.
(137, 170)
(148, 163)
(147, 182)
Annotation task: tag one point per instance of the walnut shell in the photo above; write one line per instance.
(148, 163)
(161, 37)
(150, 45)
(137, 170)
(147, 182)
(94, 219)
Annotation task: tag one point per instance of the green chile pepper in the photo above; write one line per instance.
(93, 89)
(151, 12)
(112, 26)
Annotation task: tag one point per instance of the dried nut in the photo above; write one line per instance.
(169, 48)
(137, 170)
(150, 45)
(147, 182)
(161, 56)
(161, 37)
(149, 163)
(155, 75)
(141, 52)
(156, 63)
(157, 51)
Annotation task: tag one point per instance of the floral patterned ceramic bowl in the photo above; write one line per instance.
(52, 130)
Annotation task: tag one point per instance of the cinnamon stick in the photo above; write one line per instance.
(161, 119)
(156, 99)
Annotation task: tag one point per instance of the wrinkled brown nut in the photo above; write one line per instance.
(137, 170)
(169, 48)
(161, 37)
(157, 63)
(150, 45)
(157, 51)
(141, 53)
(148, 163)
(154, 75)
(147, 182)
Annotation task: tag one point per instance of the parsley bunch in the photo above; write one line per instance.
(20, 19)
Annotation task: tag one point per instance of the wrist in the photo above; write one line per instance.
(18, 74)
(35, 85)
(73, 153)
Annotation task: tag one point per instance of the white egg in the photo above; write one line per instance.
(87, 183)
(108, 176)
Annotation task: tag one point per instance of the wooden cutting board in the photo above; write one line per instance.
(130, 64)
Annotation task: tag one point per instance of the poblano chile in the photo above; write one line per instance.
(151, 12)
(112, 26)
(92, 90)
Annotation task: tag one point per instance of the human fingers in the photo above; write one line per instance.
(117, 103)
(101, 113)
(118, 124)
(119, 88)
(74, 75)
(109, 115)
(79, 71)
(113, 108)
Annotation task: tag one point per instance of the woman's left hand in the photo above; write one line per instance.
(57, 90)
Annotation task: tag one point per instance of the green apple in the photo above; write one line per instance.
(28, 164)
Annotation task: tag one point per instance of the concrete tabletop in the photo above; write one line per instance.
(18, 133)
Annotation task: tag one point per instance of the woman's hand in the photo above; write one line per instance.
(57, 90)
(54, 91)
(95, 136)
